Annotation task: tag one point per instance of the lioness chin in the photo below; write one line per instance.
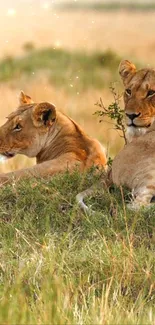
(57, 142)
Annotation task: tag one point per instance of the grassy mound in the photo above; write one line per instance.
(59, 266)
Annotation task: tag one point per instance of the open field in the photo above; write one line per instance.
(127, 33)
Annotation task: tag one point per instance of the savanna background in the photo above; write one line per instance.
(68, 53)
(59, 266)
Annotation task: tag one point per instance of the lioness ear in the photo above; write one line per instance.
(43, 114)
(126, 68)
(25, 99)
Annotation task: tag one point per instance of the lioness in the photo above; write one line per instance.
(57, 142)
(139, 98)
(134, 165)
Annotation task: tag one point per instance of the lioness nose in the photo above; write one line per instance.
(132, 116)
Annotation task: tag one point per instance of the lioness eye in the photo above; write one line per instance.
(128, 91)
(151, 92)
(17, 127)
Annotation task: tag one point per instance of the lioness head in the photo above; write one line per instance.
(27, 128)
(139, 98)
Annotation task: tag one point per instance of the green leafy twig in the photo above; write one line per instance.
(114, 112)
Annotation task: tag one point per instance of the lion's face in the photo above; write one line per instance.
(139, 98)
(26, 129)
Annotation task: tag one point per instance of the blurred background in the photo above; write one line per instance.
(68, 52)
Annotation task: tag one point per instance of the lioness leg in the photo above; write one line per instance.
(104, 183)
(45, 169)
(81, 196)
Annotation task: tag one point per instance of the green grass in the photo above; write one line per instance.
(64, 68)
(59, 266)
(107, 6)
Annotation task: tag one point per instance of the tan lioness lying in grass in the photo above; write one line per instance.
(134, 166)
(57, 142)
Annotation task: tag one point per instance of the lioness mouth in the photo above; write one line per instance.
(138, 126)
(8, 154)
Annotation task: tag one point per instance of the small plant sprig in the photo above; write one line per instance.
(114, 112)
(109, 162)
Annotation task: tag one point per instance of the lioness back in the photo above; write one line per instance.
(75, 140)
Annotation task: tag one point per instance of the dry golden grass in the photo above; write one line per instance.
(127, 33)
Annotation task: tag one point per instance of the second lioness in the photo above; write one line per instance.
(57, 142)
(134, 165)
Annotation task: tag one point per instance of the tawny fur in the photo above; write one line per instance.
(57, 142)
(134, 166)
(137, 100)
